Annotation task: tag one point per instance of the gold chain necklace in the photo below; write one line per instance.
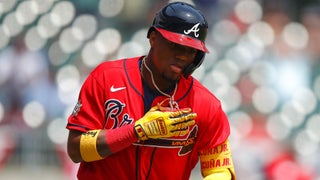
(173, 104)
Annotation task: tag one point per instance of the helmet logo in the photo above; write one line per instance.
(195, 29)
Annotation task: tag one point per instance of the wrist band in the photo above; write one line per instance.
(88, 146)
(120, 138)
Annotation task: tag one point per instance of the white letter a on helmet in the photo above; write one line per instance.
(194, 29)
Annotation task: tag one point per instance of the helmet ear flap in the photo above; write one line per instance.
(195, 64)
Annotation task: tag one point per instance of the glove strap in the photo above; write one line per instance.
(140, 132)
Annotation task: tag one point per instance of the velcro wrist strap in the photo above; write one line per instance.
(140, 132)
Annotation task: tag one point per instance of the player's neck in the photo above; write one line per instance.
(159, 81)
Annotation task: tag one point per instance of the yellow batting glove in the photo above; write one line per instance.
(159, 124)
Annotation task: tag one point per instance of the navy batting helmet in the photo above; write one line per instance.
(183, 24)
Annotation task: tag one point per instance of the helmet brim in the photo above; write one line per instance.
(183, 40)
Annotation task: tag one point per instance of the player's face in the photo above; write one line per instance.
(170, 59)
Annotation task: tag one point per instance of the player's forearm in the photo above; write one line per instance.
(73, 146)
(98, 144)
(114, 140)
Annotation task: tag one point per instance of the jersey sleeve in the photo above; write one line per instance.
(214, 128)
(89, 110)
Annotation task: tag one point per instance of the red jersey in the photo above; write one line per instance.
(112, 96)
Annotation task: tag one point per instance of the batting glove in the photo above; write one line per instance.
(158, 124)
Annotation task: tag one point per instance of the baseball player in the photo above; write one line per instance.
(146, 117)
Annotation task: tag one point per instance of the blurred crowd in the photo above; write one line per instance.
(264, 65)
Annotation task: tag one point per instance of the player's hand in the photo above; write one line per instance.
(158, 124)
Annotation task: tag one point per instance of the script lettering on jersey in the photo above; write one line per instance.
(185, 145)
(195, 29)
(114, 108)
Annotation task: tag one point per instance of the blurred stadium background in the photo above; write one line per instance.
(264, 64)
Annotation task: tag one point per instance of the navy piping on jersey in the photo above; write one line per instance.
(187, 92)
(128, 77)
(151, 160)
(76, 125)
(137, 162)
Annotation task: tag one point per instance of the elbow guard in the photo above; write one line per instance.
(216, 163)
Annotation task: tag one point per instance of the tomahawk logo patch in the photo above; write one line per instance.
(195, 29)
(185, 145)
